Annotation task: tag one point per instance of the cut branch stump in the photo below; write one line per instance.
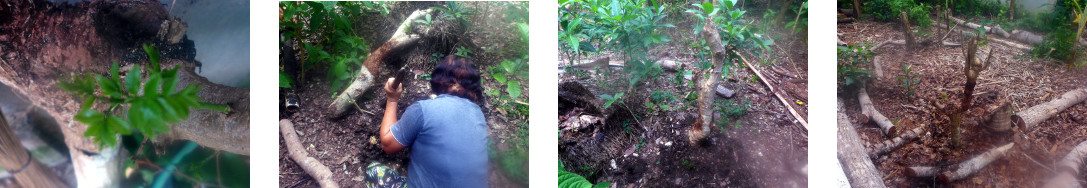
(298, 154)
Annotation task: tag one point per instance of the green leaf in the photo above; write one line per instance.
(152, 54)
(132, 81)
(114, 73)
(284, 80)
(514, 90)
(121, 126)
(151, 88)
(500, 77)
(109, 88)
(169, 81)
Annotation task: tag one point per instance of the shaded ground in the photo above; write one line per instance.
(347, 144)
(1014, 76)
(640, 146)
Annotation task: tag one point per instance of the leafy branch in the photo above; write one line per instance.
(152, 102)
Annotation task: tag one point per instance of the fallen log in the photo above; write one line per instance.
(362, 81)
(870, 114)
(792, 111)
(707, 83)
(889, 145)
(963, 169)
(298, 154)
(1038, 113)
(992, 39)
(857, 165)
(16, 159)
(1069, 168)
(995, 30)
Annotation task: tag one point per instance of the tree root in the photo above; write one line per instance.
(401, 38)
(297, 152)
(1038, 113)
(853, 156)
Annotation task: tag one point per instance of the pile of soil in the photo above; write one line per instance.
(348, 143)
(1014, 76)
(634, 147)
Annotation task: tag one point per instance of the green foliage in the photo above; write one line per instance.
(456, 11)
(152, 103)
(571, 180)
(609, 99)
(425, 21)
(202, 167)
(630, 27)
(729, 111)
(801, 19)
(659, 101)
(514, 161)
(981, 8)
(733, 27)
(909, 80)
(890, 10)
(852, 61)
(337, 45)
(284, 80)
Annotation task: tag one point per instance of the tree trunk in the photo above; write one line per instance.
(298, 154)
(906, 32)
(401, 38)
(88, 45)
(16, 159)
(1011, 11)
(854, 157)
(1068, 169)
(707, 83)
(1000, 119)
(869, 112)
(971, 69)
(1038, 113)
(889, 145)
(857, 8)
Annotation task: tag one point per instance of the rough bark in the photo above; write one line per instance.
(969, 167)
(971, 69)
(892, 144)
(869, 112)
(907, 32)
(362, 81)
(706, 84)
(1000, 119)
(14, 157)
(857, 165)
(857, 8)
(298, 154)
(1069, 168)
(1011, 10)
(922, 171)
(88, 44)
(1038, 113)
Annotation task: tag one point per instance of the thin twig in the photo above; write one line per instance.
(772, 90)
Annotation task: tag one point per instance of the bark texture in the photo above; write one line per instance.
(1038, 113)
(13, 157)
(907, 32)
(401, 38)
(854, 157)
(298, 154)
(869, 112)
(706, 84)
(972, 166)
(892, 144)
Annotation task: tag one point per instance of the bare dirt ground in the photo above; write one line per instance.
(1014, 76)
(640, 147)
(347, 144)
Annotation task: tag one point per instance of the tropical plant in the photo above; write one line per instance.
(909, 80)
(609, 99)
(336, 43)
(801, 19)
(571, 180)
(852, 61)
(152, 103)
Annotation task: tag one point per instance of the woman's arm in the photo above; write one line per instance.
(392, 97)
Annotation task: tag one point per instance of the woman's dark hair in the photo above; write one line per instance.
(457, 76)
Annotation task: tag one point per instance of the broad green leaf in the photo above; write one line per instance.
(514, 89)
(109, 88)
(169, 81)
(500, 77)
(152, 54)
(114, 73)
(151, 88)
(132, 80)
(284, 80)
(116, 124)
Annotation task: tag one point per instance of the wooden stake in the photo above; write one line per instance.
(14, 157)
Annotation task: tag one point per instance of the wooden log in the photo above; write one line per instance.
(297, 153)
(16, 159)
(1069, 168)
(857, 165)
(707, 83)
(877, 68)
(724, 92)
(972, 166)
(777, 94)
(372, 65)
(670, 65)
(869, 112)
(1038, 113)
(889, 145)
(922, 171)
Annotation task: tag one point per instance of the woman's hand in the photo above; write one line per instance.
(392, 95)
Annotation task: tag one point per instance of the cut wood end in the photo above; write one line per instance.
(695, 134)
